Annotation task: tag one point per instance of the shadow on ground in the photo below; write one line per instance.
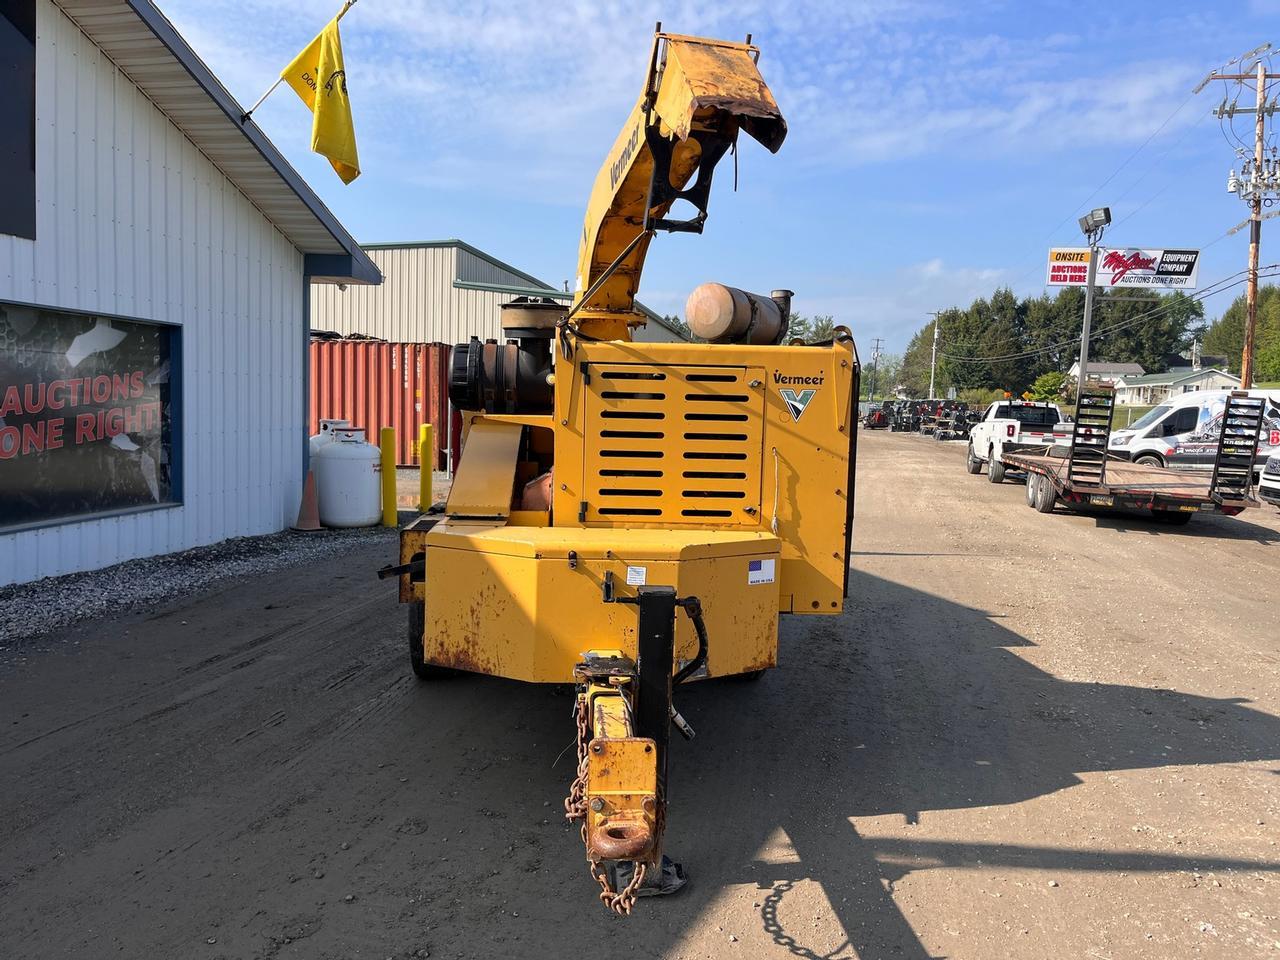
(908, 703)
(338, 808)
(1200, 527)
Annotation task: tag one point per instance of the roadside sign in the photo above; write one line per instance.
(1125, 267)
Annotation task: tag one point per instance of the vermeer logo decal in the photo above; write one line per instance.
(797, 400)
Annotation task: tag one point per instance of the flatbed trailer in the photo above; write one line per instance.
(1172, 496)
(1082, 473)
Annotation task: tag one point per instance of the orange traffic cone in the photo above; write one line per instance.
(309, 511)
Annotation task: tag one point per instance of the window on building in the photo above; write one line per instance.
(18, 118)
(89, 413)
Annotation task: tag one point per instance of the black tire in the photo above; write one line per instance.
(417, 622)
(1046, 495)
(1150, 460)
(972, 463)
(1033, 481)
(995, 469)
(1174, 518)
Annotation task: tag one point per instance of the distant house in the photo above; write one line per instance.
(1156, 387)
(1102, 370)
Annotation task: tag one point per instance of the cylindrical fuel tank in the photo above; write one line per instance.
(348, 474)
(722, 314)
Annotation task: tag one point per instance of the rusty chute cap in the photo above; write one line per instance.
(712, 74)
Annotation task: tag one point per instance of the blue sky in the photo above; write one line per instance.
(935, 149)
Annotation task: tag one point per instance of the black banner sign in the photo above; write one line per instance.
(87, 417)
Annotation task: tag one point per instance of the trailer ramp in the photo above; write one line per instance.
(1237, 448)
(1090, 434)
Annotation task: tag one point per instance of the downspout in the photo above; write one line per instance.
(306, 374)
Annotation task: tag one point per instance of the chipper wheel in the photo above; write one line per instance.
(417, 623)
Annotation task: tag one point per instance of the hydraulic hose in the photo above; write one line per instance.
(693, 607)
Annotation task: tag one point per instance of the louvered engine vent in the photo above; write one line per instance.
(673, 445)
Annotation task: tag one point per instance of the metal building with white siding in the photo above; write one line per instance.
(438, 291)
(155, 266)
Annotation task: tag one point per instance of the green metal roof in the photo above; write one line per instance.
(461, 245)
(1172, 377)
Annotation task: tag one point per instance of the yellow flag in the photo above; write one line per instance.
(317, 76)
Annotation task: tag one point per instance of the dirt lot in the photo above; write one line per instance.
(1027, 736)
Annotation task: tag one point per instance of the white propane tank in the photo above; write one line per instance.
(348, 480)
(326, 433)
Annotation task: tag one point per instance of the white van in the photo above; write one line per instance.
(1182, 432)
(1269, 485)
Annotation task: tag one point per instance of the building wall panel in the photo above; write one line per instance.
(417, 301)
(134, 221)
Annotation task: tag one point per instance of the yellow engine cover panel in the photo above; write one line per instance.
(513, 602)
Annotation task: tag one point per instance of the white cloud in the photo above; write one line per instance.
(446, 95)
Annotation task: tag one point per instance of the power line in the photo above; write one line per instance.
(1129, 159)
(1262, 50)
(1121, 325)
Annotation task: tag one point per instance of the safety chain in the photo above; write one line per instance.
(575, 808)
(620, 903)
(575, 804)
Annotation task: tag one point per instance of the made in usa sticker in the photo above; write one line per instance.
(759, 571)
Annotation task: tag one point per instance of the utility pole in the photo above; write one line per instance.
(1255, 236)
(933, 361)
(1258, 176)
(875, 365)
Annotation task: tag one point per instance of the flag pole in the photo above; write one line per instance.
(244, 117)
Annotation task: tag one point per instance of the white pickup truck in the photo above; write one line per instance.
(1009, 426)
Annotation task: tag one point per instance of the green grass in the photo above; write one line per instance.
(1126, 415)
(1269, 385)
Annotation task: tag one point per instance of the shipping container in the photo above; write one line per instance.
(375, 385)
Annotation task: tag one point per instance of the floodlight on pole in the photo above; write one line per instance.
(1095, 220)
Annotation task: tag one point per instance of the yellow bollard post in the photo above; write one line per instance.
(426, 463)
(387, 443)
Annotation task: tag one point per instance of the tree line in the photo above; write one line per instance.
(1003, 342)
(1225, 336)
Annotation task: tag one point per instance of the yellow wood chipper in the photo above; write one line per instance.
(630, 516)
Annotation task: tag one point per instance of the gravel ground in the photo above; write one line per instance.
(32, 610)
(1027, 736)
